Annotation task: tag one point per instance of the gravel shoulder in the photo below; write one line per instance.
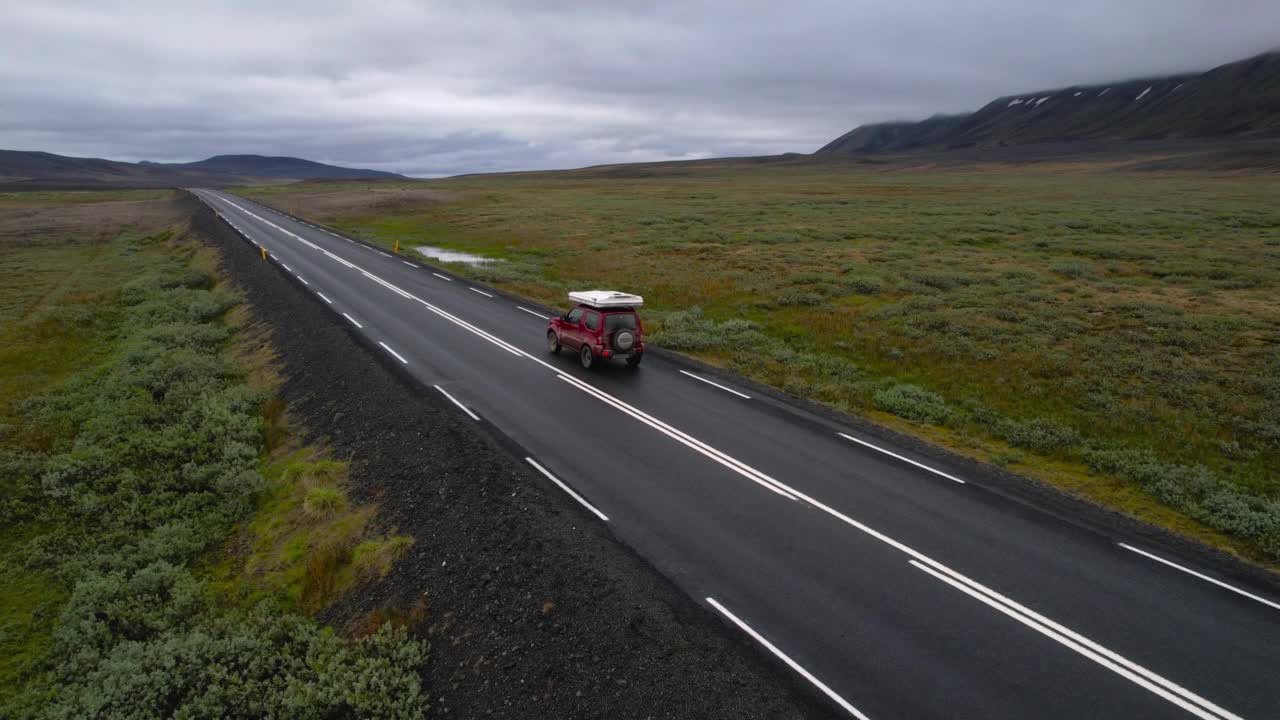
(532, 610)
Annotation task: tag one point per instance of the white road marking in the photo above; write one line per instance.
(481, 292)
(791, 663)
(1122, 666)
(544, 317)
(353, 320)
(304, 280)
(442, 277)
(393, 352)
(1189, 571)
(449, 316)
(406, 262)
(903, 459)
(737, 466)
(322, 297)
(382, 253)
(567, 489)
(455, 402)
(1136, 673)
(286, 267)
(731, 390)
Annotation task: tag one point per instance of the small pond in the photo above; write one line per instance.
(443, 255)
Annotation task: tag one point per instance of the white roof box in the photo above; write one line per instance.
(606, 298)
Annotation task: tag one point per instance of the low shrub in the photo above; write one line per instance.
(1195, 490)
(864, 285)
(913, 403)
(1072, 269)
(793, 297)
(1040, 435)
(324, 501)
(690, 330)
(149, 646)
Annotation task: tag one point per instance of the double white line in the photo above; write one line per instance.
(1122, 666)
(737, 466)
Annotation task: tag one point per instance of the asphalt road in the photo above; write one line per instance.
(893, 585)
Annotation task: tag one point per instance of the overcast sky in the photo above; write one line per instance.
(431, 88)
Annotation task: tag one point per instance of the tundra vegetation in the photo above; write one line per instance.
(1114, 333)
(163, 543)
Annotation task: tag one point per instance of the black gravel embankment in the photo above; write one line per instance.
(533, 609)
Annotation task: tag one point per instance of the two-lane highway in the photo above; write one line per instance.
(890, 583)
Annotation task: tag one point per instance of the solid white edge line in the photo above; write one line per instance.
(1085, 647)
(1189, 571)
(304, 280)
(791, 663)
(442, 277)
(353, 320)
(903, 459)
(454, 400)
(322, 297)
(540, 315)
(393, 352)
(730, 390)
(481, 292)
(567, 489)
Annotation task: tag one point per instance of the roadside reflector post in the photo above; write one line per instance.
(397, 247)
(263, 248)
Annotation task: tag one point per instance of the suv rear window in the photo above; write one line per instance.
(593, 320)
(619, 321)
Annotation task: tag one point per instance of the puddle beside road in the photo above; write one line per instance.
(443, 255)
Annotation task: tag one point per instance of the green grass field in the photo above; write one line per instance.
(1114, 333)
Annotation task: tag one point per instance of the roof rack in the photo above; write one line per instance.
(606, 298)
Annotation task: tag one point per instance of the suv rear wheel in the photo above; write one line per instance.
(553, 342)
(586, 357)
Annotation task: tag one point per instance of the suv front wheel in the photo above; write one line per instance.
(586, 357)
(553, 342)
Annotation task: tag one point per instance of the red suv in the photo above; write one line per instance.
(603, 324)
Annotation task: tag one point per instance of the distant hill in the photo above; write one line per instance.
(19, 169)
(1237, 100)
(279, 167)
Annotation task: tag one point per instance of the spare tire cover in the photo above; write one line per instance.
(623, 340)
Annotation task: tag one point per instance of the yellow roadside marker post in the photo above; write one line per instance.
(264, 251)
(397, 248)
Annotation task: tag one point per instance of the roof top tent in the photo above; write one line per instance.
(606, 299)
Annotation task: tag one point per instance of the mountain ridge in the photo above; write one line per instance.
(1236, 100)
(23, 168)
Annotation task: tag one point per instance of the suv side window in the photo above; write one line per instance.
(593, 320)
(574, 315)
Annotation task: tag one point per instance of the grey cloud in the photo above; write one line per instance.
(440, 88)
